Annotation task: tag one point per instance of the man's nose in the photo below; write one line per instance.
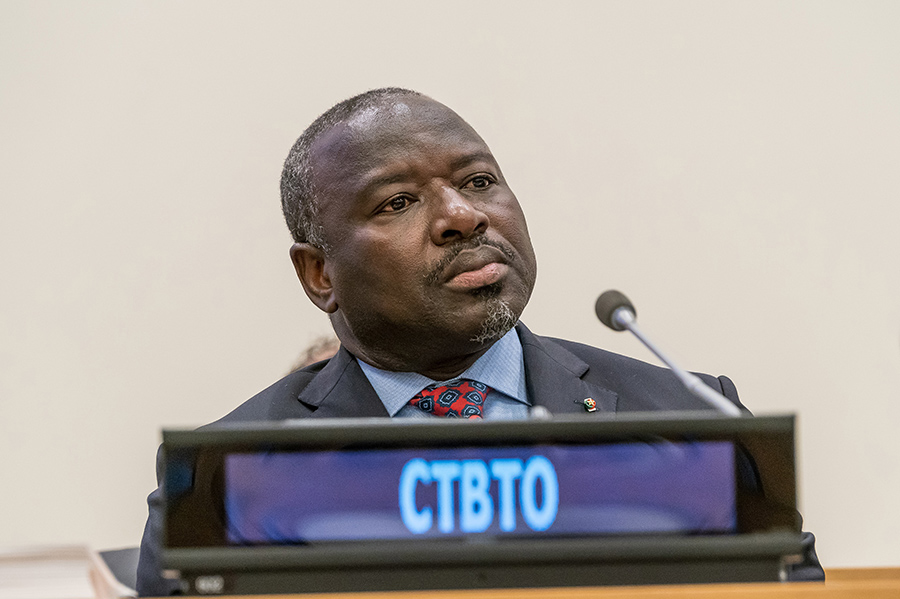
(456, 217)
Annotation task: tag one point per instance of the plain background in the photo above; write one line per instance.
(732, 166)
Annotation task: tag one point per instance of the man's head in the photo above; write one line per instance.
(406, 232)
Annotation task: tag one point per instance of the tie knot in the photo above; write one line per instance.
(461, 398)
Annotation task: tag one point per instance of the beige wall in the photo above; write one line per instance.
(732, 166)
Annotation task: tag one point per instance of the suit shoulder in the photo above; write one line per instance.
(633, 377)
(596, 357)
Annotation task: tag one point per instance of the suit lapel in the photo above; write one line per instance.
(553, 377)
(341, 390)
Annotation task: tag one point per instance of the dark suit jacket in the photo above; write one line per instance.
(559, 375)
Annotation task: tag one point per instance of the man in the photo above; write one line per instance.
(408, 236)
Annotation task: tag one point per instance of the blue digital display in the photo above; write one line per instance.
(559, 490)
(476, 505)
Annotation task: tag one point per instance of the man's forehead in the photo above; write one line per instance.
(375, 135)
(398, 118)
(369, 116)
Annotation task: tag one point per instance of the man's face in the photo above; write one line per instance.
(428, 247)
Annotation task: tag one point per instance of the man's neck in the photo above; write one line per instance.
(442, 370)
(452, 369)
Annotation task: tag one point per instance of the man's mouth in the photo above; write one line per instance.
(475, 279)
(476, 268)
(472, 264)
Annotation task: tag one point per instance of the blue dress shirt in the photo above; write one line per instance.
(502, 368)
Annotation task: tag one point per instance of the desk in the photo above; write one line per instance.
(842, 583)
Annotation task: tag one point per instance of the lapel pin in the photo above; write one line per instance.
(590, 405)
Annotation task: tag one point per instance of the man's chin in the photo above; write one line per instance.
(500, 319)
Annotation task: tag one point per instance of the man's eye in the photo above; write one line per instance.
(480, 182)
(396, 204)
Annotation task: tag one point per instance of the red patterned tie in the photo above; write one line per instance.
(461, 398)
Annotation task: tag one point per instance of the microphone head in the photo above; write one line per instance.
(608, 303)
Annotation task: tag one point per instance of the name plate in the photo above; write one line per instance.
(367, 505)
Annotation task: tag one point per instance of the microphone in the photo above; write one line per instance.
(617, 312)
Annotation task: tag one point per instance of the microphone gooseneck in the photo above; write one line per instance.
(617, 312)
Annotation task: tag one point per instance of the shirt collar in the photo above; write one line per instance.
(502, 368)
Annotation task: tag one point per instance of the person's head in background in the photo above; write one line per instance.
(321, 348)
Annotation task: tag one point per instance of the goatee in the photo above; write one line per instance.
(499, 321)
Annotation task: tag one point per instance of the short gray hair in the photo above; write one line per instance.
(298, 199)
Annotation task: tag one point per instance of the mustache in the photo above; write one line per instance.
(436, 270)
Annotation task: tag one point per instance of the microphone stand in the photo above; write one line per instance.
(625, 319)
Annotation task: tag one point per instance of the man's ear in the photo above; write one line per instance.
(309, 263)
